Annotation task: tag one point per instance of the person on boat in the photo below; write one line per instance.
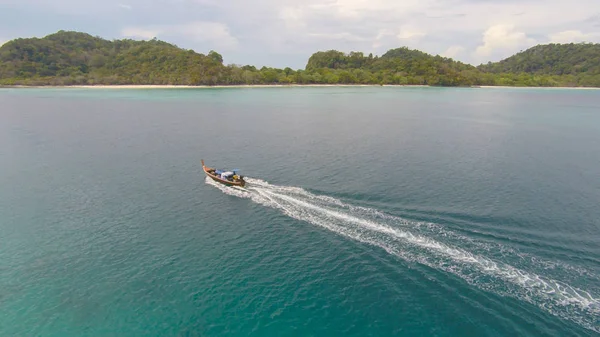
(227, 175)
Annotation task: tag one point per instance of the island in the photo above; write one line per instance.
(68, 58)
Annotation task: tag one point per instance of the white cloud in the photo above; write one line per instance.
(434, 26)
(530, 15)
(140, 33)
(337, 36)
(429, 25)
(293, 17)
(124, 6)
(208, 2)
(502, 38)
(568, 36)
(453, 51)
(357, 9)
(213, 33)
(382, 34)
(410, 33)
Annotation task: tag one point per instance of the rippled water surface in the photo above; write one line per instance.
(368, 212)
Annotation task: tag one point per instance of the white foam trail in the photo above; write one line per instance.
(431, 227)
(401, 237)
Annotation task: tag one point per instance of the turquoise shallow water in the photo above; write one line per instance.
(369, 212)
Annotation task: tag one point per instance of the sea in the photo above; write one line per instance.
(369, 211)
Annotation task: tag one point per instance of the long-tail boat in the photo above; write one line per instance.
(229, 178)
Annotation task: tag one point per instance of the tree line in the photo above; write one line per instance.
(73, 58)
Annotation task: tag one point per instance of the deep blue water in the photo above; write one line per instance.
(369, 212)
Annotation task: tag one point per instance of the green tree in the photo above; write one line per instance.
(213, 55)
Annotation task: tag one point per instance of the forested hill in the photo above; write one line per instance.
(577, 61)
(68, 58)
(398, 66)
(400, 59)
(79, 58)
(551, 59)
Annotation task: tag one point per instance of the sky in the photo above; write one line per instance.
(282, 33)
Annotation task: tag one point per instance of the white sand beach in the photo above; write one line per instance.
(152, 86)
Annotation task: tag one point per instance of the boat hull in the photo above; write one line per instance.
(226, 182)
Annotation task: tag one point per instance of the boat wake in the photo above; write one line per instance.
(436, 247)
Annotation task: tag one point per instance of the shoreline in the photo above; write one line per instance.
(183, 86)
(515, 87)
(242, 86)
